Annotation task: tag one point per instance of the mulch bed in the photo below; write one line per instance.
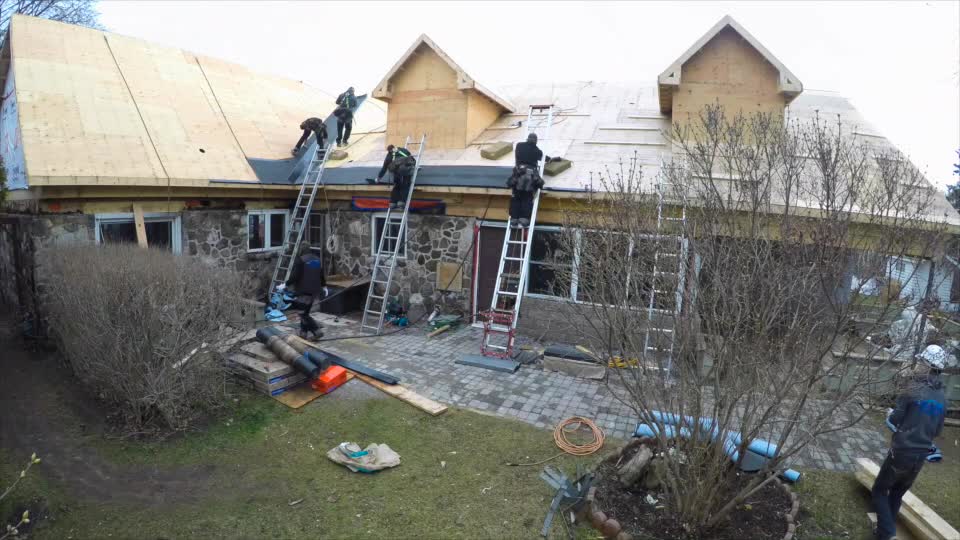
(764, 520)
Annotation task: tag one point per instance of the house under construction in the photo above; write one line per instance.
(100, 129)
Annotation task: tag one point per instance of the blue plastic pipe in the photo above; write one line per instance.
(757, 446)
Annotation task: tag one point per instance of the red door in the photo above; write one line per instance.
(491, 242)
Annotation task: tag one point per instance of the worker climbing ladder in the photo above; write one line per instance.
(312, 180)
(667, 278)
(388, 248)
(500, 326)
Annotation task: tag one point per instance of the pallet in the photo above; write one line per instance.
(917, 516)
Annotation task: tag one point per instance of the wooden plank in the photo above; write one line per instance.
(303, 394)
(917, 516)
(140, 225)
(403, 393)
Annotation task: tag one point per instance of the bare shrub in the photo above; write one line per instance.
(736, 296)
(140, 328)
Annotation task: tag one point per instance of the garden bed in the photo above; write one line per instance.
(614, 509)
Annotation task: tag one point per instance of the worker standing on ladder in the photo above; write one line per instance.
(525, 180)
(401, 164)
(346, 102)
(306, 277)
(312, 125)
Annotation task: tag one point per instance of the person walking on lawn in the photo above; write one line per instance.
(918, 419)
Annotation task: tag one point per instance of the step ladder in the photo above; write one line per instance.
(500, 324)
(668, 279)
(388, 247)
(312, 179)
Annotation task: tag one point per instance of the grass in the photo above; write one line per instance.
(265, 456)
(834, 505)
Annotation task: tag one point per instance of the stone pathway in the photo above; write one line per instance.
(538, 397)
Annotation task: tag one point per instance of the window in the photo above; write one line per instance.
(627, 265)
(316, 233)
(377, 232)
(163, 230)
(547, 260)
(266, 229)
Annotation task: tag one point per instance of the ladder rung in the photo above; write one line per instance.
(512, 259)
(375, 312)
(508, 293)
(510, 276)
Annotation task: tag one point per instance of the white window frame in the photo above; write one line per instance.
(266, 229)
(374, 239)
(176, 239)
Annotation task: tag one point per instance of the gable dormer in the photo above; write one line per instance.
(429, 93)
(729, 66)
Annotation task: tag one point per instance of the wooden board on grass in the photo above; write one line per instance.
(402, 393)
(917, 516)
(300, 395)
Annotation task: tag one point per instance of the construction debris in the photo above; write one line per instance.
(373, 458)
(571, 496)
(271, 377)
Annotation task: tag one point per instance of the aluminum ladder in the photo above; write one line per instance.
(668, 278)
(388, 247)
(301, 213)
(500, 326)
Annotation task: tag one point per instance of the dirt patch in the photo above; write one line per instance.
(42, 410)
(762, 517)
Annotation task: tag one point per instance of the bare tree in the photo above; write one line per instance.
(739, 291)
(81, 12)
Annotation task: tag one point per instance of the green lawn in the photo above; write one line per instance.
(834, 504)
(265, 456)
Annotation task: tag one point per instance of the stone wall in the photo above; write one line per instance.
(431, 240)
(219, 237)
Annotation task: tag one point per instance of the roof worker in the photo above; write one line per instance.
(346, 103)
(306, 277)
(316, 126)
(401, 164)
(917, 419)
(525, 181)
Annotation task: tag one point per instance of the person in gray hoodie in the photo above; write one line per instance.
(918, 419)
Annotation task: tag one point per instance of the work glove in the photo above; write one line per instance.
(282, 287)
(326, 291)
(294, 151)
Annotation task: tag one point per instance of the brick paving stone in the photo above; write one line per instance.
(540, 398)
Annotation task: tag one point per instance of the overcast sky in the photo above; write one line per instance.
(898, 62)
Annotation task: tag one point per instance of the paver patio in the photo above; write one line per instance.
(535, 396)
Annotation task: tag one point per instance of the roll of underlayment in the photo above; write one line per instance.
(272, 338)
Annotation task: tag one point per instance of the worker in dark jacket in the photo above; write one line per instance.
(525, 180)
(918, 419)
(401, 164)
(312, 125)
(306, 277)
(346, 103)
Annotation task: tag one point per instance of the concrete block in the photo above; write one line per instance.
(496, 150)
(556, 167)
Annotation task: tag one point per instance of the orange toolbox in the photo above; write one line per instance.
(330, 379)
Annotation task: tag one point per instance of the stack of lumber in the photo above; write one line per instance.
(262, 370)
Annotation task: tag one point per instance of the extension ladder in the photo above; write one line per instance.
(388, 247)
(301, 213)
(668, 277)
(500, 324)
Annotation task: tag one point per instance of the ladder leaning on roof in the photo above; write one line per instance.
(301, 213)
(668, 278)
(500, 326)
(388, 248)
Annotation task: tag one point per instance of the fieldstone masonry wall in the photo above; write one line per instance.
(219, 237)
(431, 240)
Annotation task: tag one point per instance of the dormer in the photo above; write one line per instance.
(729, 66)
(429, 93)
